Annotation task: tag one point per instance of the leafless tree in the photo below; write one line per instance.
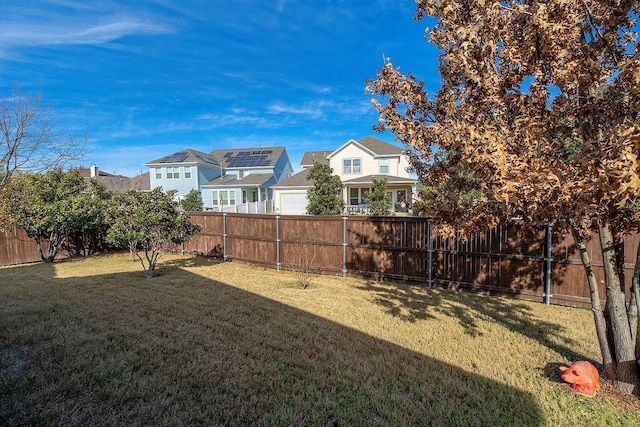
(30, 140)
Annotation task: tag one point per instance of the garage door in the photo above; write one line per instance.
(293, 203)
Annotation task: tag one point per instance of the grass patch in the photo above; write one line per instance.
(92, 341)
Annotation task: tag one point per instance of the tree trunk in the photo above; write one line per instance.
(634, 306)
(38, 241)
(133, 250)
(56, 239)
(596, 308)
(626, 376)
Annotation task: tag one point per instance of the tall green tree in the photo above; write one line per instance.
(192, 201)
(45, 206)
(88, 224)
(148, 222)
(325, 196)
(538, 105)
(377, 199)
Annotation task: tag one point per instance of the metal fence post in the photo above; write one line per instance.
(224, 236)
(548, 259)
(278, 242)
(344, 246)
(429, 255)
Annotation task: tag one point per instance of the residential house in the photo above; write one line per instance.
(117, 183)
(357, 163)
(225, 178)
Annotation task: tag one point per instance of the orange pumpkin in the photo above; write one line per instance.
(583, 377)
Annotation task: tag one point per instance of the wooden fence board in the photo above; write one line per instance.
(17, 248)
(503, 260)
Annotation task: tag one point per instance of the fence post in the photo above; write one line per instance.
(224, 236)
(548, 260)
(278, 242)
(429, 255)
(344, 246)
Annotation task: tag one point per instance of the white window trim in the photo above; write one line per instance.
(351, 168)
(383, 163)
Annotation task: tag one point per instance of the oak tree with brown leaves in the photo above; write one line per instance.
(537, 118)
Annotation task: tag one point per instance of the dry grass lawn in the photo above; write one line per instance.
(92, 342)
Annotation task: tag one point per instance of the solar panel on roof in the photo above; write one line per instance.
(208, 160)
(254, 158)
(174, 158)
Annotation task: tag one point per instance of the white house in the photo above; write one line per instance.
(357, 163)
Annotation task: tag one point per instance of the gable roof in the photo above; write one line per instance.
(247, 158)
(187, 156)
(311, 157)
(379, 147)
(297, 180)
(373, 146)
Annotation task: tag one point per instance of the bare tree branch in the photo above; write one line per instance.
(30, 140)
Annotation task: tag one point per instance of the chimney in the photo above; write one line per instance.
(94, 171)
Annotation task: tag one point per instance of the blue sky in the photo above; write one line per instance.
(149, 78)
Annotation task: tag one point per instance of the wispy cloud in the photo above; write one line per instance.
(280, 6)
(63, 34)
(312, 110)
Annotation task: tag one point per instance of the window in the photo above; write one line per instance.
(158, 173)
(353, 196)
(173, 172)
(351, 166)
(214, 195)
(187, 172)
(383, 166)
(226, 198)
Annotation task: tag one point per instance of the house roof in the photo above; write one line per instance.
(187, 156)
(297, 180)
(247, 158)
(122, 184)
(379, 147)
(251, 180)
(311, 157)
(117, 183)
(300, 180)
(86, 173)
(373, 146)
(368, 179)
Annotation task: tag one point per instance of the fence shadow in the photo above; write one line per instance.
(186, 349)
(412, 303)
(509, 261)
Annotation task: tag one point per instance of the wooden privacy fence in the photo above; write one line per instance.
(543, 266)
(17, 248)
(540, 267)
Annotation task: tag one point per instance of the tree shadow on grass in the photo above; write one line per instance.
(185, 349)
(411, 303)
